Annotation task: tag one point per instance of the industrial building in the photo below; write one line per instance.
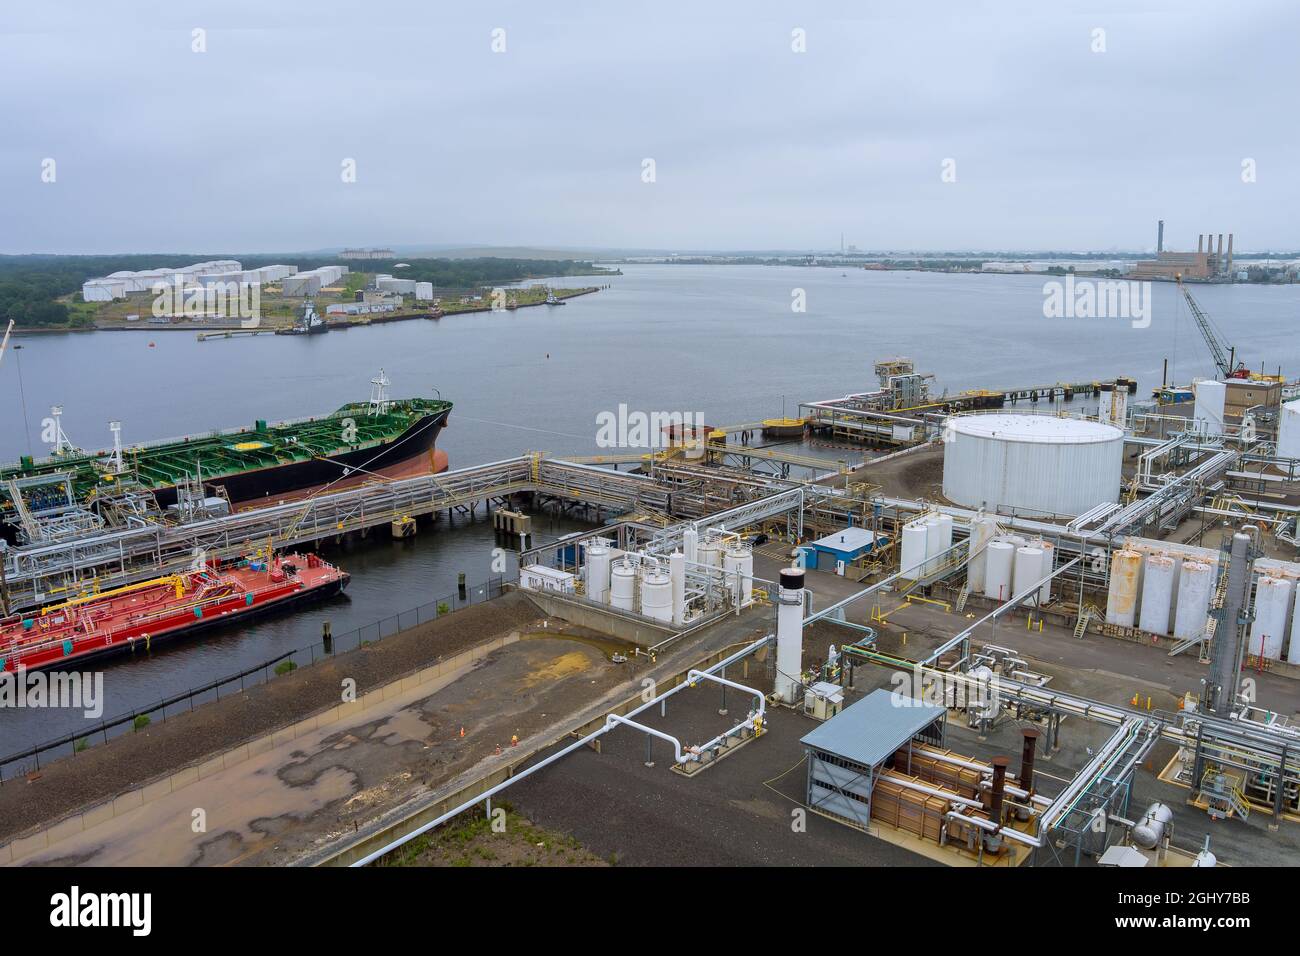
(1209, 262)
(367, 254)
(311, 282)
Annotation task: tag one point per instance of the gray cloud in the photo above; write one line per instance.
(239, 148)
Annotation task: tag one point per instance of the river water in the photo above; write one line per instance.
(721, 341)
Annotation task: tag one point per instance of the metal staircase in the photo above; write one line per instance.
(962, 595)
(1085, 618)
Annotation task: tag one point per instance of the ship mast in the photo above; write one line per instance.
(379, 394)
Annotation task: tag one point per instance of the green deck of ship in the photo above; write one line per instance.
(216, 454)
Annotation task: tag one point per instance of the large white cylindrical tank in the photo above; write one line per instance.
(657, 596)
(622, 587)
(1028, 571)
(1121, 600)
(1194, 588)
(1157, 593)
(912, 557)
(598, 560)
(1272, 615)
(677, 572)
(738, 563)
(982, 530)
(1049, 564)
(1033, 463)
(997, 572)
(938, 539)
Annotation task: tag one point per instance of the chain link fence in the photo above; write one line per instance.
(29, 760)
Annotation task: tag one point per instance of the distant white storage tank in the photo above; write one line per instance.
(1272, 615)
(424, 291)
(1288, 432)
(1208, 411)
(911, 562)
(1194, 589)
(997, 571)
(1034, 463)
(1121, 600)
(1157, 593)
(1028, 571)
(657, 596)
(622, 587)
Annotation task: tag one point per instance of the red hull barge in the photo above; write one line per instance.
(139, 615)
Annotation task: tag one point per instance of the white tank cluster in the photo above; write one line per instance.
(1010, 564)
(656, 587)
(1164, 592)
(1033, 463)
(923, 541)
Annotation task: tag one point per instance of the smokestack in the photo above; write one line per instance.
(789, 634)
(1230, 252)
(1026, 778)
(1218, 255)
(1200, 242)
(1160, 237)
(999, 785)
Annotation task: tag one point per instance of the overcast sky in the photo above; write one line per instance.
(241, 148)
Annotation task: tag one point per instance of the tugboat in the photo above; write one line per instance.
(552, 300)
(310, 324)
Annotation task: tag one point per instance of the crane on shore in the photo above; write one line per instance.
(1225, 357)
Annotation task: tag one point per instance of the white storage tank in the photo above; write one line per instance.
(598, 560)
(710, 552)
(912, 558)
(1293, 648)
(1288, 430)
(1157, 593)
(982, 530)
(622, 587)
(938, 539)
(1207, 413)
(738, 562)
(657, 596)
(1028, 571)
(1049, 564)
(1035, 463)
(997, 572)
(1195, 586)
(1272, 615)
(1121, 600)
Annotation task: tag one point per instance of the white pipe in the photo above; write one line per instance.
(991, 827)
(614, 720)
(529, 771)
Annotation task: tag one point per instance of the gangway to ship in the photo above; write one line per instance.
(56, 570)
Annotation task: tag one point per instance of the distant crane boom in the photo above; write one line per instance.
(1223, 357)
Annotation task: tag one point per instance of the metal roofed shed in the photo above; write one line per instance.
(846, 753)
(846, 545)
